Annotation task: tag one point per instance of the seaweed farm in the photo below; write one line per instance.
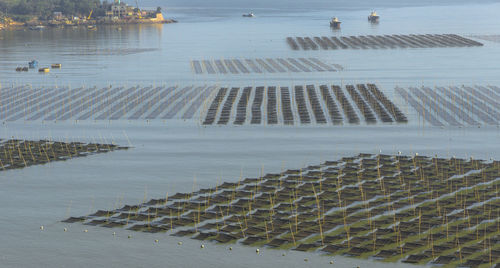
(303, 105)
(215, 105)
(380, 42)
(105, 103)
(16, 154)
(455, 105)
(259, 66)
(250, 134)
(413, 209)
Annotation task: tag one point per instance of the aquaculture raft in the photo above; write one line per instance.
(380, 42)
(455, 106)
(15, 154)
(412, 209)
(106, 103)
(307, 105)
(268, 65)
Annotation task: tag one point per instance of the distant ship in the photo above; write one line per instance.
(373, 18)
(249, 15)
(335, 23)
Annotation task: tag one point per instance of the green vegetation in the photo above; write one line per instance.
(44, 9)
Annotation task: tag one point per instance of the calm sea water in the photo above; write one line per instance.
(102, 56)
(168, 156)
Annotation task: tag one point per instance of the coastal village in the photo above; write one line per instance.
(116, 12)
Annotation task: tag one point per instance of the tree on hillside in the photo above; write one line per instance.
(45, 8)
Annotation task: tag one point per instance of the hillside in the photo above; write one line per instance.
(45, 8)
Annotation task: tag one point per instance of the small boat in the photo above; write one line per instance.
(33, 64)
(373, 18)
(335, 23)
(56, 66)
(249, 15)
(37, 28)
(44, 70)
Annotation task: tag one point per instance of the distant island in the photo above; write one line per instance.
(37, 14)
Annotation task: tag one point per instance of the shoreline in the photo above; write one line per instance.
(47, 24)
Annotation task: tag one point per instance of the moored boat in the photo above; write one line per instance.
(33, 64)
(37, 28)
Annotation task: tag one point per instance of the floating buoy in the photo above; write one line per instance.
(41, 227)
(65, 229)
(202, 246)
(179, 243)
(306, 259)
(85, 231)
(114, 233)
(129, 236)
(284, 254)
(257, 251)
(331, 262)
(156, 241)
(230, 248)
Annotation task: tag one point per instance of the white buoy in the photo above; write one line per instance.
(306, 259)
(156, 241)
(114, 233)
(202, 246)
(257, 251)
(230, 248)
(129, 236)
(284, 254)
(331, 262)
(41, 227)
(65, 229)
(179, 243)
(85, 231)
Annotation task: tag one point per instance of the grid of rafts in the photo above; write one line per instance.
(107, 103)
(380, 42)
(455, 105)
(413, 209)
(15, 154)
(268, 65)
(275, 105)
